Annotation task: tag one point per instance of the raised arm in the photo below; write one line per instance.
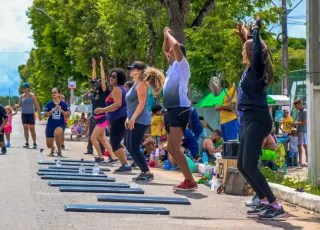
(257, 46)
(94, 69)
(175, 45)
(103, 76)
(165, 45)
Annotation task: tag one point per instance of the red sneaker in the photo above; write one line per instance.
(186, 185)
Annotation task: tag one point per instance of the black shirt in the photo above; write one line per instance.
(254, 96)
(3, 115)
(98, 99)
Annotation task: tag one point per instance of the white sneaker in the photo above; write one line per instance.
(253, 202)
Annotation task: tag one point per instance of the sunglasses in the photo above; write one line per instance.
(54, 92)
(24, 87)
(286, 112)
(113, 76)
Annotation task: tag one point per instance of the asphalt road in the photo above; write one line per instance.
(27, 202)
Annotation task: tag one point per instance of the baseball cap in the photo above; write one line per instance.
(138, 65)
(26, 85)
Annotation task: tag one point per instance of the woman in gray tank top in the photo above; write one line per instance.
(28, 103)
(138, 116)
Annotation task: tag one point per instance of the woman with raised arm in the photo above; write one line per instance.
(256, 121)
(100, 93)
(139, 118)
(57, 110)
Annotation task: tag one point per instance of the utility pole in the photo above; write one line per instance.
(313, 89)
(285, 55)
(9, 97)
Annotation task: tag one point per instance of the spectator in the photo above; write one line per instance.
(287, 122)
(302, 129)
(228, 114)
(195, 123)
(156, 123)
(212, 145)
(190, 143)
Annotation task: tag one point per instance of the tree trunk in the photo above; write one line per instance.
(178, 12)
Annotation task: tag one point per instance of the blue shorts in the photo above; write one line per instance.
(230, 130)
(50, 130)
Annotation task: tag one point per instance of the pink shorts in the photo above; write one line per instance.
(7, 129)
(103, 124)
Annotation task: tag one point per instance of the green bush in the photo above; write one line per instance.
(289, 181)
(73, 119)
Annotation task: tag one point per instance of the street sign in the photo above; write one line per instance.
(72, 84)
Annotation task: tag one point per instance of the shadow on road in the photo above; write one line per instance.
(191, 195)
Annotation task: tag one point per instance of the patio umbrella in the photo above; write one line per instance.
(211, 101)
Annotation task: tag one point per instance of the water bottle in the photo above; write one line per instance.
(152, 159)
(133, 185)
(96, 169)
(156, 158)
(82, 170)
(58, 162)
(204, 158)
(40, 157)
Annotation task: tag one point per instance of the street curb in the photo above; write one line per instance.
(305, 200)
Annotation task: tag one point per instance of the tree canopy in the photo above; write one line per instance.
(71, 32)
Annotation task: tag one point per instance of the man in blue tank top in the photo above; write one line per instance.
(28, 103)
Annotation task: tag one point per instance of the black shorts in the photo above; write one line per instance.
(50, 130)
(28, 119)
(177, 117)
(2, 136)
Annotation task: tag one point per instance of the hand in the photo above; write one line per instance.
(98, 110)
(167, 29)
(39, 117)
(94, 63)
(16, 106)
(218, 108)
(126, 123)
(241, 30)
(131, 124)
(101, 61)
(257, 25)
(89, 91)
(58, 107)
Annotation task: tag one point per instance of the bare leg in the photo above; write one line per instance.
(26, 132)
(300, 154)
(306, 151)
(107, 146)
(8, 137)
(33, 133)
(58, 133)
(121, 154)
(95, 136)
(174, 146)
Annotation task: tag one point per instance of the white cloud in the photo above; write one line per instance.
(14, 41)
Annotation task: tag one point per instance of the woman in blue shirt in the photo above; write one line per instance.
(57, 110)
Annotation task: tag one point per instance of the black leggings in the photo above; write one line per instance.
(256, 125)
(117, 130)
(133, 141)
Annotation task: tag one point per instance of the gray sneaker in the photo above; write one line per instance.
(253, 202)
(259, 210)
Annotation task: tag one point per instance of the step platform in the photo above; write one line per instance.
(77, 168)
(73, 160)
(57, 183)
(144, 199)
(116, 209)
(65, 163)
(101, 190)
(45, 170)
(82, 178)
(69, 174)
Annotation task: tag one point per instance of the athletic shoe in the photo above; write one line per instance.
(273, 213)
(111, 161)
(63, 147)
(8, 145)
(123, 168)
(3, 151)
(98, 160)
(253, 202)
(26, 145)
(35, 146)
(144, 177)
(88, 153)
(258, 210)
(186, 185)
(133, 165)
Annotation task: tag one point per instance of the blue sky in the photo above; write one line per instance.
(14, 41)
